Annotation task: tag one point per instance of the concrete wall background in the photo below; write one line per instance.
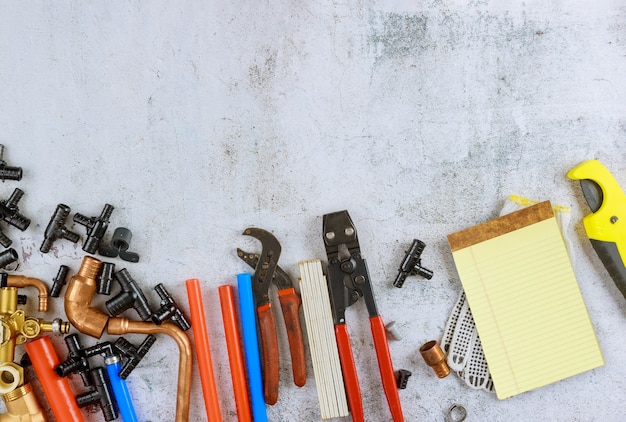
(198, 120)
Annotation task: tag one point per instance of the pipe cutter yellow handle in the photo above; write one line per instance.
(606, 225)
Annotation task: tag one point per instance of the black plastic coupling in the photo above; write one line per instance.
(402, 378)
(8, 257)
(100, 394)
(412, 264)
(96, 228)
(105, 278)
(76, 362)
(131, 296)
(59, 281)
(8, 172)
(168, 310)
(133, 354)
(56, 229)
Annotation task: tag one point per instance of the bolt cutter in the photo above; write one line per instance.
(348, 280)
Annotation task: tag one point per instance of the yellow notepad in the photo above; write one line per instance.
(529, 312)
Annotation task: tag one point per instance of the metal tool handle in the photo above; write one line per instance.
(290, 303)
(350, 377)
(385, 366)
(269, 345)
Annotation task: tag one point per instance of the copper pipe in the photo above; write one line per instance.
(23, 281)
(120, 326)
(78, 296)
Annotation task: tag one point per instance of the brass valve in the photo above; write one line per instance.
(16, 327)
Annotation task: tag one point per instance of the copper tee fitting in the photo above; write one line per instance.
(435, 358)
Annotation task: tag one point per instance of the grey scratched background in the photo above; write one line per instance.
(198, 119)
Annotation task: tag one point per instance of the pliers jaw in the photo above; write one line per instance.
(266, 264)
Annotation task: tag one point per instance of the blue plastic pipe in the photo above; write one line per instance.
(251, 346)
(120, 389)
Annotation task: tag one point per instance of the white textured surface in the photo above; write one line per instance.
(198, 120)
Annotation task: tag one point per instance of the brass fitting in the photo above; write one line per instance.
(16, 327)
(11, 377)
(78, 296)
(22, 281)
(22, 406)
(435, 358)
(120, 326)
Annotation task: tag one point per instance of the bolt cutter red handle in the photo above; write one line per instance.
(348, 281)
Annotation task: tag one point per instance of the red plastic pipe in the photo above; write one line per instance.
(203, 350)
(235, 357)
(58, 392)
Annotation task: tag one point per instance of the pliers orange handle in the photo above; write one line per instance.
(266, 272)
(348, 280)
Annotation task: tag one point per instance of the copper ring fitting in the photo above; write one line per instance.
(435, 358)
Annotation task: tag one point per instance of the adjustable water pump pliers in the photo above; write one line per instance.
(348, 281)
(267, 271)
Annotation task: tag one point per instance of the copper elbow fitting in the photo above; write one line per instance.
(23, 281)
(435, 358)
(119, 326)
(78, 296)
(22, 406)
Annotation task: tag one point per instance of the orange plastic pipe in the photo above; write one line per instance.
(58, 392)
(203, 350)
(235, 357)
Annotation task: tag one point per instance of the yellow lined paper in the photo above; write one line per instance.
(529, 312)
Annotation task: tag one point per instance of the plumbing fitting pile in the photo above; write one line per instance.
(104, 381)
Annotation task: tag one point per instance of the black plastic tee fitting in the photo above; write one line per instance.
(168, 310)
(131, 296)
(133, 354)
(7, 172)
(96, 228)
(56, 229)
(412, 264)
(76, 362)
(100, 394)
